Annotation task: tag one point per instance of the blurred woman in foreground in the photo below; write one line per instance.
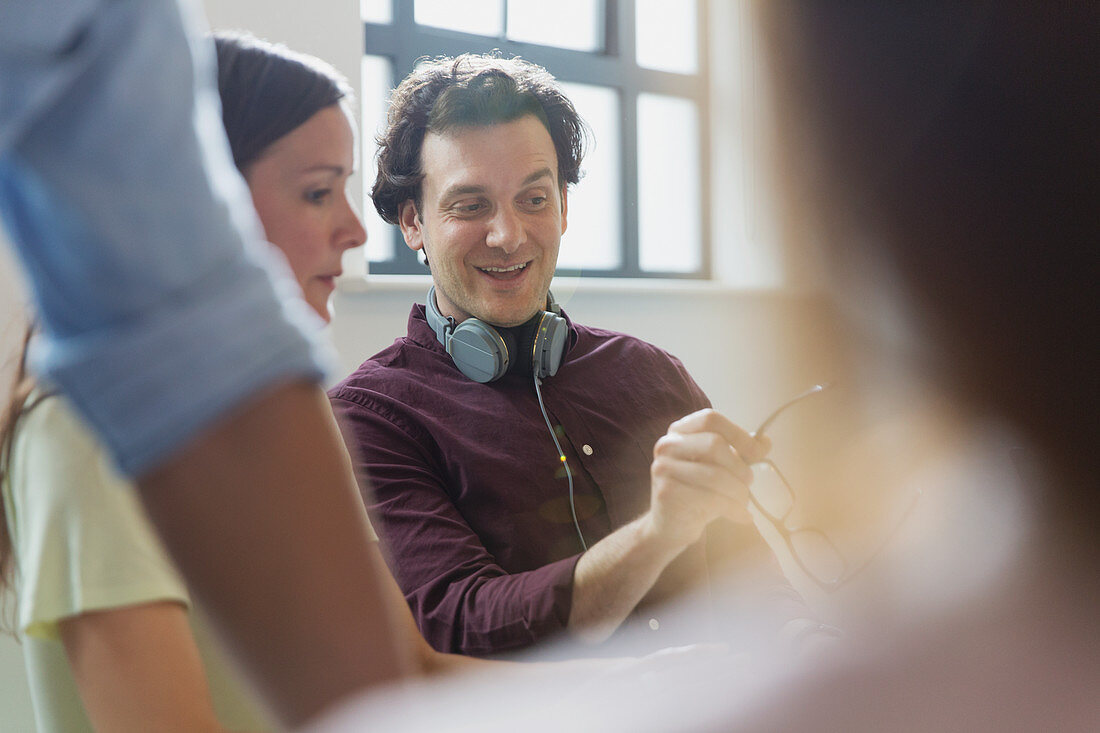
(952, 151)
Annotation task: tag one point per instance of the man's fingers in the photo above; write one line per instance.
(711, 421)
(705, 449)
(680, 475)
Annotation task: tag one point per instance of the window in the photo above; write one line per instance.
(636, 71)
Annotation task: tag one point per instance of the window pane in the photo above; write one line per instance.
(669, 191)
(593, 237)
(377, 80)
(483, 17)
(666, 35)
(376, 11)
(563, 23)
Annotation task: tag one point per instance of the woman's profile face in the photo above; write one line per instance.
(299, 188)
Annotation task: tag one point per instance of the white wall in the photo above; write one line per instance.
(738, 342)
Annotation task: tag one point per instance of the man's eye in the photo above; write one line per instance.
(534, 201)
(472, 208)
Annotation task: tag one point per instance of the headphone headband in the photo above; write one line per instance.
(483, 353)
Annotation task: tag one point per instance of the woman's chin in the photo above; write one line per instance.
(322, 309)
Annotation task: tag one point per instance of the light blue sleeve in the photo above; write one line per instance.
(160, 304)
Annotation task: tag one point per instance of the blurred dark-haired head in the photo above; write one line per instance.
(959, 144)
(267, 90)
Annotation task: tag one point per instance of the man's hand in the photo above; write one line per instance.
(701, 471)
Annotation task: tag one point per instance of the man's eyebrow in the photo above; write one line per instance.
(461, 190)
(465, 189)
(544, 172)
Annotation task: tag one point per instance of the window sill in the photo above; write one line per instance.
(564, 286)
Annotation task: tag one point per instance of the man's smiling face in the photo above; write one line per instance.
(491, 219)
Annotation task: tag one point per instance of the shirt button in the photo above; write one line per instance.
(654, 624)
(587, 449)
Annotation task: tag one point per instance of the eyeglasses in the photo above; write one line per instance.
(810, 548)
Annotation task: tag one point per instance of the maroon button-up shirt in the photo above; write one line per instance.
(468, 492)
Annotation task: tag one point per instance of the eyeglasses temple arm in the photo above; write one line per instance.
(771, 418)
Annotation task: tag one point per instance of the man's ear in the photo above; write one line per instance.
(408, 218)
(564, 207)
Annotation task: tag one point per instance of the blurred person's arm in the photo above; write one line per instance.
(137, 668)
(170, 325)
(262, 516)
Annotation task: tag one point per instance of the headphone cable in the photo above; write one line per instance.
(564, 462)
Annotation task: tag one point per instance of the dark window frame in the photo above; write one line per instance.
(614, 66)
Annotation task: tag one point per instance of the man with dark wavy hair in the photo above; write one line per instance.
(523, 467)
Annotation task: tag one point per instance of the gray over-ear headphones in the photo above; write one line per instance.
(483, 353)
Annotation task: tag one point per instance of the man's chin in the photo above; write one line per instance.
(508, 318)
(507, 315)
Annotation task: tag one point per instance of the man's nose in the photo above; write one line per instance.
(506, 230)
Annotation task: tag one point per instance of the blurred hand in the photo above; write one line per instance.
(701, 471)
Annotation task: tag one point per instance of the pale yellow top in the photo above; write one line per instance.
(82, 543)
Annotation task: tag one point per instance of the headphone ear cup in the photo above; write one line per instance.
(549, 344)
(480, 351)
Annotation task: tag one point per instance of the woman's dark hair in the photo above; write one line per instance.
(267, 91)
(22, 387)
(960, 140)
(468, 91)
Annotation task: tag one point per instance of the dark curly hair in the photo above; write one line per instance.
(466, 91)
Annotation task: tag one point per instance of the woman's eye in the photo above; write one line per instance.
(316, 196)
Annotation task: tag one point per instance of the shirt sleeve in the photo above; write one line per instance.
(462, 599)
(80, 537)
(160, 304)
